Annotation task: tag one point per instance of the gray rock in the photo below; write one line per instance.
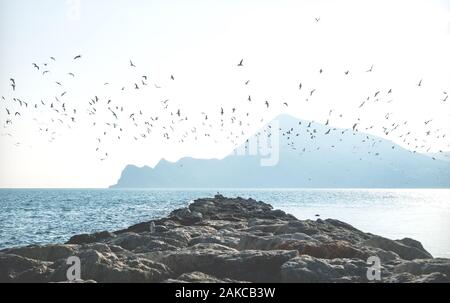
(109, 267)
(90, 238)
(225, 262)
(50, 252)
(307, 269)
(14, 268)
(402, 249)
(199, 277)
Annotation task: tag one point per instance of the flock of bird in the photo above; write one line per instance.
(111, 119)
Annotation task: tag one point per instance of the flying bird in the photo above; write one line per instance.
(77, 57)
(241, 63)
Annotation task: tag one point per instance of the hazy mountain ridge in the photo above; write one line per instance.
(340, 158)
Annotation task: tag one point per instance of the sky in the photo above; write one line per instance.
(200, 44)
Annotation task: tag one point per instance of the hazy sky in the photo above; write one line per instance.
(200, 43)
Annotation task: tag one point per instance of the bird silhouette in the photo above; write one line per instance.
(241, 63)
(77, 57)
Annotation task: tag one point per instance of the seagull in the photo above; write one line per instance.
(346, 72)
(312, 92)
(300, 86)
(171, 77)
(77, 57)
(53, 58)
(46, 71)
(317, 19)
(370, 69)
(131, 64)
(420, 83)
(267, 104)
(285, 104)
(241, 63)
(35, 65)
(136, 86)
(71, 74)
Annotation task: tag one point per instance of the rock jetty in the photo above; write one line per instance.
(228, 240)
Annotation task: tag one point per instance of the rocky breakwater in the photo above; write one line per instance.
(228, 240)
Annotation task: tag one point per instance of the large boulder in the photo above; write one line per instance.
(225, 262)
(15, 268)
(104, 265)
(307, 269)
(50, 252)
(406, 249)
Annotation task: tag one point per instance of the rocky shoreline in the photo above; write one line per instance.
(228, 240)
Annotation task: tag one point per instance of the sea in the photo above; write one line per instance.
(40, 216)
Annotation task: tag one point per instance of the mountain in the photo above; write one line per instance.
(443, 156)
(309, 155)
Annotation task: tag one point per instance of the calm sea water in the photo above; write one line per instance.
(36, 216)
